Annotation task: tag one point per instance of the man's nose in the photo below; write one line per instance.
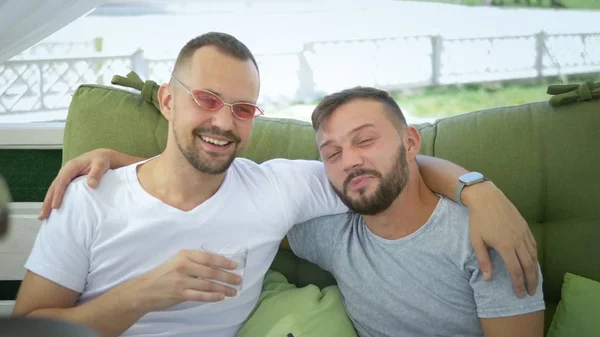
(223, 118)
(351, 160)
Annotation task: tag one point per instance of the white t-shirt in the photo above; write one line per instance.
(101, 237)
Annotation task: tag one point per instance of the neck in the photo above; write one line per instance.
(173, 180)
(409, 211)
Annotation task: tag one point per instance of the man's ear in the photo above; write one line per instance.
(165, 98)
(413, 141)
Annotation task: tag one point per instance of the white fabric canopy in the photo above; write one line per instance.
(23, 23)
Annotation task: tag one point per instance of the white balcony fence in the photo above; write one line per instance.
(30, 85)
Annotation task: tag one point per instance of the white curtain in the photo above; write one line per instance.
(23, 23)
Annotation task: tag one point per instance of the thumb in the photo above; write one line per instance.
(483, 258)
(97, 170)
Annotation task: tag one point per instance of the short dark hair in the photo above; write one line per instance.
(226, 43)
(331, 102)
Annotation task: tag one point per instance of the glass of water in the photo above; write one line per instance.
(235, 252)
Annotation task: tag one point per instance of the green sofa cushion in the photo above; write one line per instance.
(304, 312)
(113, 118)
(301, 271)
(545, 159)
(578, 312)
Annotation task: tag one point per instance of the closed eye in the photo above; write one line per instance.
(333, 156)
(365, 142)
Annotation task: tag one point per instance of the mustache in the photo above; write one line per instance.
(360, 172)
(232, 137)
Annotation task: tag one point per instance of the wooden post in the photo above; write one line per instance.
(437, 44)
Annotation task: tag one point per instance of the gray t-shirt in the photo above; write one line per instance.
(425, 284)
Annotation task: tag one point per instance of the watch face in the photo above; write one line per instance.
(471, 178)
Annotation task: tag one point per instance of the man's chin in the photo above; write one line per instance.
(217, 167)
(361, 193)
(208, 164)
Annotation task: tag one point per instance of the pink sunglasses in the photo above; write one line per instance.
(212, 102)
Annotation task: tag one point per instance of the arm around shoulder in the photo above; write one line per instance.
(118, 159)
(93, 164)
(440, 175)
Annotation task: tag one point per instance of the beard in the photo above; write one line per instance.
(205, 162)
(387, 190)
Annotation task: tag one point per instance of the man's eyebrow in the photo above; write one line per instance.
(355, 130)
(221, 97)
(214, 92)
(325, 144)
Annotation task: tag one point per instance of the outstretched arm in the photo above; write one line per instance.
(494, 222)
(94, 163)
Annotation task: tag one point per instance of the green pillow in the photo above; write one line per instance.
(304, 312)
(108, 117)
(578, 312)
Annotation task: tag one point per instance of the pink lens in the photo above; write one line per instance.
(244, 110)
(207, 100)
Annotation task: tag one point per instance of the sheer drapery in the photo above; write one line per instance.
(23, 23)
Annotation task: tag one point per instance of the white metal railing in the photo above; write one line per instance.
(322, 67)
(47, 85)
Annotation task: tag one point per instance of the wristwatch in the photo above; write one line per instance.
(467, 179)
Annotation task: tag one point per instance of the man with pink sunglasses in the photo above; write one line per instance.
(123, 256)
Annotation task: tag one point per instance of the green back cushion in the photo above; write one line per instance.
(300, 271)
(545, 159)
(105, 117)
(304, 312)
(578, 310)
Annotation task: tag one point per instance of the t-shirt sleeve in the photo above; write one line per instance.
(304, 189)
(496, 298)
(61, 249)
(316, 240)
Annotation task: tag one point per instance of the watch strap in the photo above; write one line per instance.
(460, 186)
(458, 192)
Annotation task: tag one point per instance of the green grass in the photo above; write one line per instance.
(571, 4)
(451, 101)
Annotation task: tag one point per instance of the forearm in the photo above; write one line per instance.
(111, 314)
(440, 175)
(118, 159)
